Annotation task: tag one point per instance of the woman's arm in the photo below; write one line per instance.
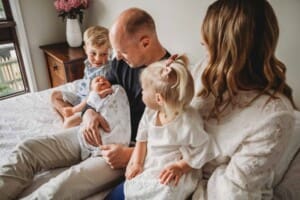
(251, 168)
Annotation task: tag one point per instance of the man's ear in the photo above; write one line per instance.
(145, 41)
(159, 99)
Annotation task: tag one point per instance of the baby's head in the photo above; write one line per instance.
(97, 45)
(167, 87)
(99, 84)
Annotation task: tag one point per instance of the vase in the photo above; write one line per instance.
(73, 33)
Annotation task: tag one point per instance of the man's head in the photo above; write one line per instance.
(133, 37)
(96, 45)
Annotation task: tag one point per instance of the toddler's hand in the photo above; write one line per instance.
(132, 170)
(171, 173)
(67, 111)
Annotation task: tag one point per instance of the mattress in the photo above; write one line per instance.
(25, 116)
(31, 115)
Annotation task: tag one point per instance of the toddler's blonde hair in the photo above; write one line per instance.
(96, 36)
(173, 82)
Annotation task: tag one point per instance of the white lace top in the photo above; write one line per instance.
(251, 140)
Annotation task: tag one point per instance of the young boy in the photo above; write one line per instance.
(97, 47)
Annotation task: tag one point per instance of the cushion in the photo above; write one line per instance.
(289, 186)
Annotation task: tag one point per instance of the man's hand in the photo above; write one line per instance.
(116, 155)
(92, 121)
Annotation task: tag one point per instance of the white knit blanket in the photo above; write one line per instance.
(26, 116)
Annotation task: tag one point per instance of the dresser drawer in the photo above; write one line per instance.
(56, 70)
(64, 63)
(56, 81)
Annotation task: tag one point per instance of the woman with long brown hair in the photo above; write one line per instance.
(245, 100)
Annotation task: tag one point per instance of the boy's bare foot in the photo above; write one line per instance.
(67, 112)
(73, 120)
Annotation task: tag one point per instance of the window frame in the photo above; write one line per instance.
(8, 27)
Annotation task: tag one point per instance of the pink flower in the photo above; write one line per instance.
(85, 3)
(71, 8)
(67, 7)
(59, 5)
(74, 3)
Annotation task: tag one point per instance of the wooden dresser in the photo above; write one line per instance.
(65, 64)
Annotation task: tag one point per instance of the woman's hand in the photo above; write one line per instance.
(92, 121)
(116, 155)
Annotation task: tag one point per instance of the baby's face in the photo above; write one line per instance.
(97, 55)
(99, 84)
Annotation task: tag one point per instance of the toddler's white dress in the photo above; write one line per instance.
(183, 138)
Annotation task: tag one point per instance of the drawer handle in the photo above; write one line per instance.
(55, 67)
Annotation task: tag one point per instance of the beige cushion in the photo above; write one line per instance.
(289, 186)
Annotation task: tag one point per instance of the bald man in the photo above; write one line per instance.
(134, 39)
(135, 42)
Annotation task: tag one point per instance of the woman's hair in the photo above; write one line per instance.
(241, 37)
(96, 36)
(173, 82)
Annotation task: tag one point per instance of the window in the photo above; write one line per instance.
(12, 72)
(2, 12)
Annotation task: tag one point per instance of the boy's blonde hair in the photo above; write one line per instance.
(96, 36)
(173, 82)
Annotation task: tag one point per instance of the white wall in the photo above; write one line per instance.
(42, 26)
(178, 23)
(288, 14)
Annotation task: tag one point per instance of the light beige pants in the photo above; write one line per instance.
(82, 179)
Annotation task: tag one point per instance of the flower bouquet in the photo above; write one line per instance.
(71, 8)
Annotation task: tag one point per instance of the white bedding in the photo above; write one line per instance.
(25, 116)
(32, 115)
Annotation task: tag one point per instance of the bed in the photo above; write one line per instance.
(31, 115)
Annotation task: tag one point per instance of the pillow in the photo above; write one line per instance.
(289, 185)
